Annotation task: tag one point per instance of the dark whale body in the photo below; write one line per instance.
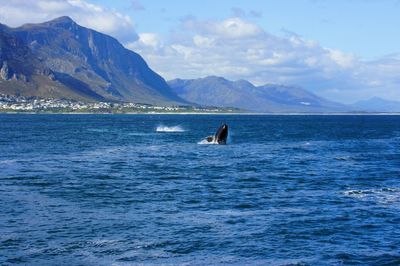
(221, 135)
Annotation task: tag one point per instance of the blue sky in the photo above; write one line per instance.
(367, 28)
(342, 50)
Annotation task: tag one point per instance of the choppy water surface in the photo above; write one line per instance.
(129, 189)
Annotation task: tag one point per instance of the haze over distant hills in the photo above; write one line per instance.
(219, 91)
(61, 59)
(376, 104)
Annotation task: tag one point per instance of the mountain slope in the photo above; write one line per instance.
(242, 94)
(94, 63)
(22, 73)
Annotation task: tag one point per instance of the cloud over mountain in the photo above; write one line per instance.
(237, 48)
(17, 12)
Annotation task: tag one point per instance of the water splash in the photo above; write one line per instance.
(206, 142)
(170, 129)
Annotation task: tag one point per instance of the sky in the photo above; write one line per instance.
(343, 50)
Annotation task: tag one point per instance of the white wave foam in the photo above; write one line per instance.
(205, 142)
(100, 130)
(170, 129)
(382, 195)
(8, 161)
(104, 242)
(342, 158)
(140, 134)
(213, 142)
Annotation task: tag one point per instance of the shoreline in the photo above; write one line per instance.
(200, 113)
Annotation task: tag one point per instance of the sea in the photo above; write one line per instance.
(146, 190)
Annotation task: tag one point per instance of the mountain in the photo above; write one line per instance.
(377, 104)
(63, 59)
(218, 91)
(22, 73)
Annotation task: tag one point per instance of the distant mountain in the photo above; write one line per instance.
(23, 73)
(62, 59)
(377, 104)
(218, 91)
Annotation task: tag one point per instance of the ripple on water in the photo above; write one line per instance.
(287, 190)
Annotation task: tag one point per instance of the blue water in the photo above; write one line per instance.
(286, 190)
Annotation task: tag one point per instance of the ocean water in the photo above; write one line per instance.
(141, 190)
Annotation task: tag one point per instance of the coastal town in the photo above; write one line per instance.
(20, 104)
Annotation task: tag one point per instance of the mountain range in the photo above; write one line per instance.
(61, 59)
(219, 91)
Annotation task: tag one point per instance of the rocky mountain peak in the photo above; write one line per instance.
(63, 21)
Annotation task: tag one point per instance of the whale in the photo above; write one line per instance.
(220, 136)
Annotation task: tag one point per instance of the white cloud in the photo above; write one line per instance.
(150, 39)
(17, 12)
(237, 49)
(231, 28)
(235, 28)
(202, 41)
(342, 59)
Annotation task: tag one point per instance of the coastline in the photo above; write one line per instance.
(204, 113)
